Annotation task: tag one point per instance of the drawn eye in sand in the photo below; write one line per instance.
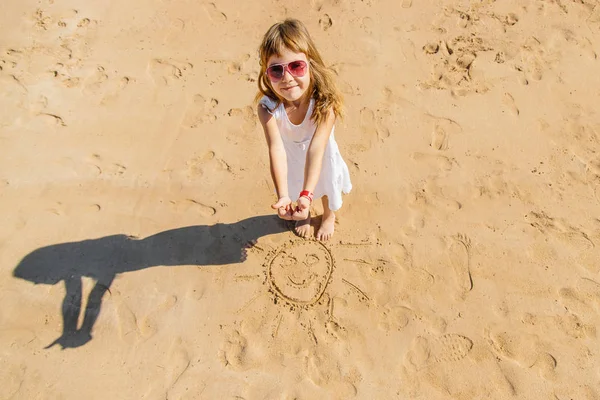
(300, 273)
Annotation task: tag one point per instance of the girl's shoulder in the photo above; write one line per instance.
(269, 104)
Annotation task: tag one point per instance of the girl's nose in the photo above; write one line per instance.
(287, 76)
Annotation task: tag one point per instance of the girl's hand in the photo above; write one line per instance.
(284, 208)
(302, 210)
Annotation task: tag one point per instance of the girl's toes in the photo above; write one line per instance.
(324, 236)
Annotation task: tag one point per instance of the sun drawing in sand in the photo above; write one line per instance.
(298, 292)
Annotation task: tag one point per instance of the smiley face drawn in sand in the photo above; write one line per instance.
(300, 272)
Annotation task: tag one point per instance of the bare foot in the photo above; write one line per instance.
(302, 228)
(327, 226)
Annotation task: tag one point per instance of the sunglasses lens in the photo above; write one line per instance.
(297, 68)
(275, 72)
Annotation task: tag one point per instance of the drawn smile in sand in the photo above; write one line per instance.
(300, 273)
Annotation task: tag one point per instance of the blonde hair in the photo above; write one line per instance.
(291, 34)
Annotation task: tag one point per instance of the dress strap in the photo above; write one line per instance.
(269, 104)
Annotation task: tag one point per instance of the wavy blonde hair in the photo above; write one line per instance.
(291, 34)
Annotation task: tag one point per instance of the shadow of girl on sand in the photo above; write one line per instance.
(103, 258)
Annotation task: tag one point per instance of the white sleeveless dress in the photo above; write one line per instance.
(335, 177)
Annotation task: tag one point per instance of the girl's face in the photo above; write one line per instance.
(289, 87)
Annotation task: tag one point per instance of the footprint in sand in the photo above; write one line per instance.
(62, 37)
(584, 141)
(582, 138)
(200, 111)
(497, 186)
(178, 364)
(175, 366)
(429, 200)
(574, 241)
(459, 257)
(58, 209)
(13, 375)
(151, 323)
(525, 349)
(325, 372)
(233, 352)
(582, 300)
(41, 19)
(569, 324)
(431, 48)
(207, 163)
(532, 60)
(439, 138)
(235, 67)
(325, 22)
(7, 69)
(509, 101)
(373, 123)
(511, 19)
(442, 130)
(193, 207)
(132, 327)
(450, 347)
(164, 72)
(215, 14)
(63, 75)
(593, 20)
(104, 168)
(395, 318)
(69, 20)
(127, 320)
(248, 117)
(454, 69)
(583, 43)
(367, 25)
(99, 84)
(95, 80)
(464, 19)
(440, 162)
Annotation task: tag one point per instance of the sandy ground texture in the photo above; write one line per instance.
(466, 260)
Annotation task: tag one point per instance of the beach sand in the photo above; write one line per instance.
(465, 262)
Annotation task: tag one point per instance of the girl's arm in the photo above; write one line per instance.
(314, 161)
(278, 162)
(316, 150)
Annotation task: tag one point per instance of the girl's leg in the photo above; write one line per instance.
(327, 227)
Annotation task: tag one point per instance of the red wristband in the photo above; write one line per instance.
(307, 194)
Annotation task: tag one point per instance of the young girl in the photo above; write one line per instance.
(297, 109)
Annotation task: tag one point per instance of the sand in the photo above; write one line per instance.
(466, 260)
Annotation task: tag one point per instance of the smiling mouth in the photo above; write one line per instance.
(299, 282)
